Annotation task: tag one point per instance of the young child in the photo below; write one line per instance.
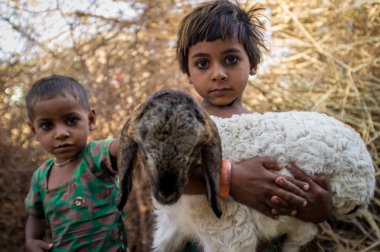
(218, 47)
(74, 192)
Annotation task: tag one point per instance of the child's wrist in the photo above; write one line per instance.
(225, 179)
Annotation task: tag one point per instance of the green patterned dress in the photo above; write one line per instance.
(82, 213)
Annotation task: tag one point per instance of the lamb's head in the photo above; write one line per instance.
(170, 137)
(173, 135)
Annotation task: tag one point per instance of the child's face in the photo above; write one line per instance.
(219, 70)
(61, 125)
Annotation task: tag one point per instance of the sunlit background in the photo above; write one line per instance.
(324, 56)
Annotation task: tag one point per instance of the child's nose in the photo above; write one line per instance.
(219, 73)
(61, 131)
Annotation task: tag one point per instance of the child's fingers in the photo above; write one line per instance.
(270, 163)
(44, 245)
(297, 172)
(292, 185)
(274, 212)
(271, 210)
(292, 194)
(301, 177)
(321, 181)
(278, 202)
(293, 200)
(281, 207)
(284, 211)
(38, 245)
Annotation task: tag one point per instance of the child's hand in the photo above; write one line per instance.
(252, 184)
(34, 245)
(319, 198)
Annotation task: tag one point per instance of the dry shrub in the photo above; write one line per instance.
(326, 57)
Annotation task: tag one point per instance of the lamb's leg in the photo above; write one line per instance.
(215, 248)
(210, 246)
(167, 239)
(231, 242)
(299, 236)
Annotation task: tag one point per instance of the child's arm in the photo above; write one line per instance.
(319, 196)
(114, 148)
(34, 233)
(253, 184)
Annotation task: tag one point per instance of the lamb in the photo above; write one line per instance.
(173, 134)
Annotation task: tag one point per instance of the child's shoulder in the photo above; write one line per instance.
(101, 142)
(43, 170)
(45, 165)
(234, 116)
(98, 146)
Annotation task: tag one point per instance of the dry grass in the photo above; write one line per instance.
(329, 62)
(325, 56)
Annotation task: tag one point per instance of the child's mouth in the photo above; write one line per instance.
(63, 146)
(219, 91)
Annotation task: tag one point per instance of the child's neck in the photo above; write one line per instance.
(224, 111)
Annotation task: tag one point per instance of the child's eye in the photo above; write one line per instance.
(202, 64)
(231, 60)
(72, 121)
(46, 126)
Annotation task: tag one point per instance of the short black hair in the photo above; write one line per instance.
(220, 19)
(51, 86)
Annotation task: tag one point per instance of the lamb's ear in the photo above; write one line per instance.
(126, 164)
(212, 162)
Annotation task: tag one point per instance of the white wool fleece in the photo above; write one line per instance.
(314, 142)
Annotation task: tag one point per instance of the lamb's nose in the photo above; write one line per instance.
(167, 184)
(168, 187)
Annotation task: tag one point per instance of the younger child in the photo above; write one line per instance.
(73, 192)
(218, 47)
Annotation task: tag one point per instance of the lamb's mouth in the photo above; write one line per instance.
(167, 199)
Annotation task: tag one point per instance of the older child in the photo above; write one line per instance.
(73, 192)
(218, 47)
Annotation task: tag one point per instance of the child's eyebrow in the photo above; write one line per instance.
(40, 120)
(44, 120)
(227, 51)
(69, 114)
(199, 55)
(231, 50)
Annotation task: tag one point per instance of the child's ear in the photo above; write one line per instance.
(31, 127)
(253, 70)
(92, 119)
(33, 130)
(189, 78)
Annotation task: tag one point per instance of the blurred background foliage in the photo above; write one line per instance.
(324, 56)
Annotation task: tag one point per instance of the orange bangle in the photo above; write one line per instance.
(224, 180)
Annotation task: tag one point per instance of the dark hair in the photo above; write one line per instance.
(220, 19)
(51, 86)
